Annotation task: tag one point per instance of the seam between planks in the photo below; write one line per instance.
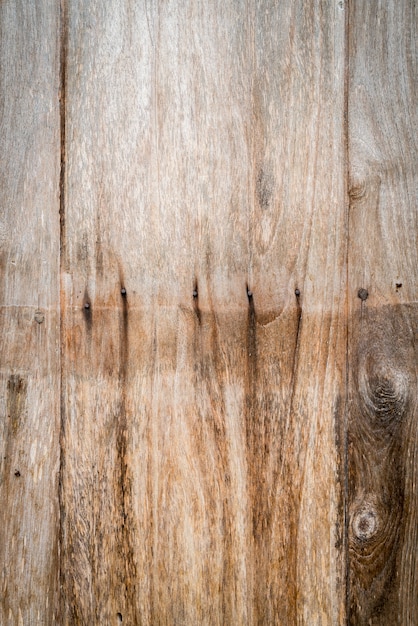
(63, 46)
(344, 451)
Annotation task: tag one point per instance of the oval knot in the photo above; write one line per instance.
(365, 523)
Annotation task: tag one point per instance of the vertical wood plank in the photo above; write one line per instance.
(154, 391)
(202, 159)
(205, 177)
(383, 261)
(29, 311)
(297, 276)
(110, 239)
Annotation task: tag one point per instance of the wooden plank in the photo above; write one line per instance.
(29, 311)
(205, 176)
(383, 261)
(298, 247)
(134, 412)
(108, 232)
(203, 406)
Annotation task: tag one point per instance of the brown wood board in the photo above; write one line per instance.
(383, 314)
(201, 416)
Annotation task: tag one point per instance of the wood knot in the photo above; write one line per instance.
(357, 190)
(365, 523)
(385, 391)
(39, 317)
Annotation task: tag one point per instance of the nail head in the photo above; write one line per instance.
(363, 294)
(297, 293)
(87, 305)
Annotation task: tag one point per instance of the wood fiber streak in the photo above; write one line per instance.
(382, 355)
(29, 313)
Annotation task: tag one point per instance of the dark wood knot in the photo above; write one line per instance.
(385, 390)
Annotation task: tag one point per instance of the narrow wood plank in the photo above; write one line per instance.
(202, 160)
(109, 238)
(297, 276)
(383, 261)
(29, 311)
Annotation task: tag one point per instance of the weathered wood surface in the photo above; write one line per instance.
(383, 260)
(205, 175)
(29, 311)
(238, 426)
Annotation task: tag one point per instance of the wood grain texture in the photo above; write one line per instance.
(235, 222)
(205, 176)
(297, 239)
(29, 312)
(383, 261)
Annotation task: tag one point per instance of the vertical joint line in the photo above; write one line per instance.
(62, 46)
(62, 106)
(344, 450)
(251, 185)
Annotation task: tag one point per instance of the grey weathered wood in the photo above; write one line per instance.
(383, 260)
(29, 311)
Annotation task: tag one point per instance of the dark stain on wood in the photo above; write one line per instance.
(257, 429)
(363, 294)
(342, 521)
(341, 448)
(88, 312)
(381, 384)
(62, 109)
(98, 247)
(124, 480)
(196, 307)
(16, 402)
(209, 381)
(264, 188)
(254, 436)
